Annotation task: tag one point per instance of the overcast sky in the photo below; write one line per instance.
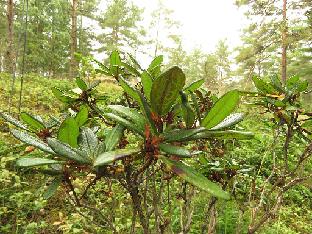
(204, 22)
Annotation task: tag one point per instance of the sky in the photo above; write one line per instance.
(204, 22)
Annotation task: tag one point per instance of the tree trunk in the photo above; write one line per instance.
(284, 42)
(9, 55)
(73, 45)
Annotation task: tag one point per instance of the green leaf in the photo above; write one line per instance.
(32, 122)
(112, 156)
(102, 71)
(30, 140)
(134, 61)
(94, 84)
(195, 85)
(154, 67)
(124, 122)
(113, 138)
(165, 90)
(263, 86)
(81, 84)
(115, 58)
(104, 68)
(221, 109)
(196, 106)
(61, 96)
(277, 84)
(292, 81)
(193, 177)
(129, 89)
(147, 83)
(131, 114)
(302, 86)
(180, 134)
(131, 69)
(175, 150)
(66, 151)
(146, 110)
(229, 121)
(32, 162)
(82, 116)
(13, 121)
(115, 62)
(188, 115)
(229, 134)
(307, 124)
(52, 188)
(187, 112)
(88, 142)
(69, 132)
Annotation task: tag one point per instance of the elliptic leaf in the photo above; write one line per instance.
(32, 121)
(30, 140)
(221, 109)
(130, 114)
(115, 58)
(129, 125)
(134, 61)
(112, 156)
(187, 112)
(147, 83)
(82, 116)
(94, 84)
(13, 121)
(174, 150)
(69, 132)
(146, 110)
(229, 121)
(154, 67)
(277, 84)
(196, 106)
(181, 134)
(263, 86)
(229, 134)
(61, 96)
(193, 177)
(32, 162)
(307, 124)
(81, 84)
(302, 86)
(52, 188)
(66, 151)
(88, 142)
(115, 62)
(195, 85)
(129, 89)
(131, 69)
(113, 138)
(292, 81)
(165, 90)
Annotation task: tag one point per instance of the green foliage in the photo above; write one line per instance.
(193, 177)
(165, 90)
(120, 22)
(104, 154)
(69, 132)
(221, 109)
(111, 156)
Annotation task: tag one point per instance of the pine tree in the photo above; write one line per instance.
(2, 33)
(270, 34)
(9, 57)
(120, 25)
